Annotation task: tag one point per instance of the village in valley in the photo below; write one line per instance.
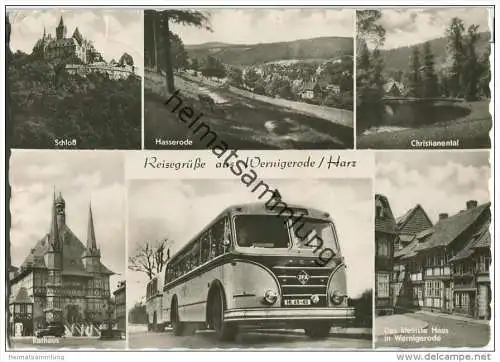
(328, 82)
(295, 93)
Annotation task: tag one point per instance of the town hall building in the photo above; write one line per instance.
(61, 280)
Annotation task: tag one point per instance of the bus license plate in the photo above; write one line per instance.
(297, 302)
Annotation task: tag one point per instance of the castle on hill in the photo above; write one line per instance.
(62, 46)
(81, 56)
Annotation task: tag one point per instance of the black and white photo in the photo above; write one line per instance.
(432, 236)
(294, 270)
(74, 78)
(257, 78)
(423, 78)
(66, 251)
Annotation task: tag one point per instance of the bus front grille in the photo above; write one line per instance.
(299, 284)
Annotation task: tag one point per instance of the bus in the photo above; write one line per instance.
(154, 294)
(249, 269)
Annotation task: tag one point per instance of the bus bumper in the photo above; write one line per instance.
(289, 314)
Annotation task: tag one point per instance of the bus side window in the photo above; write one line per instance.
(195, 254)
(186, 264)
(227, 235)
(218, 238)
(205, 247)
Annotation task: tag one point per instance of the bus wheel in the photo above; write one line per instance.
(223, 331)
(177, 325)
(319, 330)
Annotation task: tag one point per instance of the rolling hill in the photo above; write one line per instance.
(237, 54)
(398, 58)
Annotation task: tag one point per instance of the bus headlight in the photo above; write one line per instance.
(337, 298)
(270, 296)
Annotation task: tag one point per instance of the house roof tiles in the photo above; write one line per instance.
(447, 230)
(387, 224)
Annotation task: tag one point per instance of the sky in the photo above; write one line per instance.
(81, 176)
(413, 26)
(440, 181)
(179, 209)
(113, 32)
(252, 26)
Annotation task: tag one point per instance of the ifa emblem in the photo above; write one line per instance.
(303, 277)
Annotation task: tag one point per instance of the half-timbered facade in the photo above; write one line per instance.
(61, 280)
(445, 268)
(385, 234)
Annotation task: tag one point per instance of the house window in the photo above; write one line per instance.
(383, 285)
(484, 264)
(382, 247)
(428, 260)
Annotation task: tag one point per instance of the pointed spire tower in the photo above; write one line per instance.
(53, 261)
(54, 239)
(91, 242)
(61, 29)
(92, 255)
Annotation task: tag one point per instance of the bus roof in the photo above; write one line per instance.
(257, 208)
(274, 209)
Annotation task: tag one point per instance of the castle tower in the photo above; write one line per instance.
(53, 261)
(61, 29)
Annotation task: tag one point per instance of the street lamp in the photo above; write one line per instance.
(108, 311)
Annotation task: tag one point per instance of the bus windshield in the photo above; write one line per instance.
(262, 231)
(314, 234)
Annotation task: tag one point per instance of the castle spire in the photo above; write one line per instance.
(54, 229)
(61, 29)
(91, 242)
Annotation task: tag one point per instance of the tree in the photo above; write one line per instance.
(179, 54)
(377, 63)
(414, 79)
(126, 59)
(430, 88)
(163, 18)
(194, 64)
(485, 75)
(150, 257)
(369, 80)
(397, 75)
(251, 78)
(285, 90)
(138, 314)
(471, 69)
(368, 29)
(363, 309)
(235, 76)
(213, 67)
(456, 52)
